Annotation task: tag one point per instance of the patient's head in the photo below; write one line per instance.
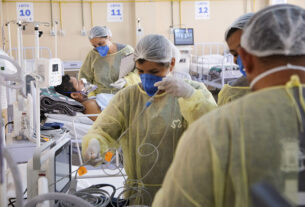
(72, 88)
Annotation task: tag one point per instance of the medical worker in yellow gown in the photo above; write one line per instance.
(240, 86)
(257, 138)
(148, 130)
(102, 64)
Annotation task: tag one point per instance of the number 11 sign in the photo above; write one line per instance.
(25, 11)
(202, 10)
(115, 12)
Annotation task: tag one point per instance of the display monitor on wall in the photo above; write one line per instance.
(184, 36)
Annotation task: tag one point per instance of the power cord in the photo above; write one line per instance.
(11, 122)
(98, 197)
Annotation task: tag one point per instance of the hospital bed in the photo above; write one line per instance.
(78, 125)
(76, 122)
(62, 109)
(212, 65)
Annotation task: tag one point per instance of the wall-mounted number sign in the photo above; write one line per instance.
(25, 11)
(115, 12)
(202, 10)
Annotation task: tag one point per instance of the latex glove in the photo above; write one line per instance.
(119, 83)
(93, 151)
(176, 87)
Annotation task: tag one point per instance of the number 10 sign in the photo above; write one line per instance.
(202, 10)
(25, 11)
(115, 12)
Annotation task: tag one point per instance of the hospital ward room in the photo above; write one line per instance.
(152, 103)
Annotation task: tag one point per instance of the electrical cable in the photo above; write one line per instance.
(78, 202)
(107, 167)
(11, 122)
(95, 195)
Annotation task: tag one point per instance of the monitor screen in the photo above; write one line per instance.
(55, 68)
(183, 36)
(62, 168)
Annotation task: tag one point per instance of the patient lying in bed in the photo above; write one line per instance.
(73, 88)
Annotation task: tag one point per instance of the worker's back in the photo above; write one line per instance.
(253, 139)
(265, 145)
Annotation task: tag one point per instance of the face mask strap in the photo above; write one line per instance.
(274, 70)
(267, 73)
(81, 92)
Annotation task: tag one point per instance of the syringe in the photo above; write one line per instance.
(151, 99)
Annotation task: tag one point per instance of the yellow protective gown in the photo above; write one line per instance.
(102, 71)
(230, 93)
(158, 127)
(225, 152)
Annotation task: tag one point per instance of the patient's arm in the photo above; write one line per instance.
(91, 107)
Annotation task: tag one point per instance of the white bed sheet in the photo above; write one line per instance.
(82, 124)
(208, 59)
(103, 99)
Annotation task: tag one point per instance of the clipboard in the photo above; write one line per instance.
(127, 65)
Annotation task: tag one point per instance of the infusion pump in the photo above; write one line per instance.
(50, 70)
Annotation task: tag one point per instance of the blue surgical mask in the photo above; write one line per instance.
(148, 82)
(241, 66)
(102, 50)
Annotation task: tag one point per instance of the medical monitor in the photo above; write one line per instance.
(183, 36)
(62, 168)
(51, 71)
(52, 160)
